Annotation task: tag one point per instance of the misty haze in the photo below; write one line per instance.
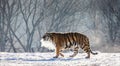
(24, 22)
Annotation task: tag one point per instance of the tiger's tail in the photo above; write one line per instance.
(94, 53)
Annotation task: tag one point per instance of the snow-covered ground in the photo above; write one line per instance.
(45, 59)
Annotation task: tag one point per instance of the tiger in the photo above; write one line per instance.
(63, 41)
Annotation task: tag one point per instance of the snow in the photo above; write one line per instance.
(45, 59)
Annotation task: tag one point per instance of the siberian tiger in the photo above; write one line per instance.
(62, 41)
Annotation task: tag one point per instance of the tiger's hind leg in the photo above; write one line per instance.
(75, 52)
(88, 55)
(87, 50)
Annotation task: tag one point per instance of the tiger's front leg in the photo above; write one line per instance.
(75, 52)
(61, 54)
(57, 52)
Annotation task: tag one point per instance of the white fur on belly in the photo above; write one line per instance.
(47, 44)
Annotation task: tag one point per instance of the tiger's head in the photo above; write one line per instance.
(47, 42)
(46, 37)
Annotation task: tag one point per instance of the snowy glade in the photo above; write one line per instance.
(24, 22)
(45, 59)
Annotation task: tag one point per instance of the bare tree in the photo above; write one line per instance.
(61, 10)
(9, 13)
(23, 22)
(32, 16)
(109, 9)
(3, 27)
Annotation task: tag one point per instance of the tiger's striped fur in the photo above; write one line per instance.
(71, 40)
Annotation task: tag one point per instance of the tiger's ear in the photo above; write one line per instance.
(45, 35)
(48, 34)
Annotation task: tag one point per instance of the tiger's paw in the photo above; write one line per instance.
(87, 57)
(55, 57)
(71, 56)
